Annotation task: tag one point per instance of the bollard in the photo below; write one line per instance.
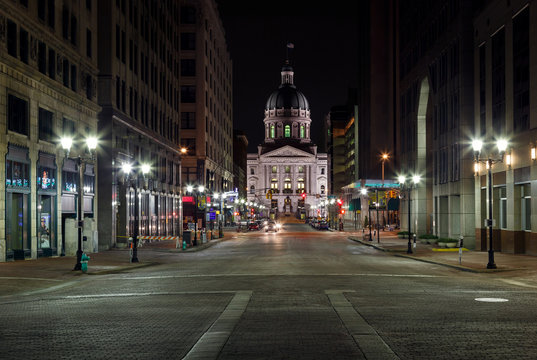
(84, 262)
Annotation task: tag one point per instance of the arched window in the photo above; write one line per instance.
(252, 189)
(272, 131)
(322, 171)
(322, 189)
(252, 172)
(300, 184)
(302, 132)
(274, 184)
(287, 131)
(274, 169)
(287, 185)
(301, 169)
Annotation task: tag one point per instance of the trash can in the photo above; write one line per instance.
(203, 237)
(187, 236)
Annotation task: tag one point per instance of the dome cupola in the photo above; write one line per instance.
(287, 112)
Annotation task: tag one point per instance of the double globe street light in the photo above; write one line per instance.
(408, 185)
(477, 145)
(131, 173)
(196, 191)
(81, 160)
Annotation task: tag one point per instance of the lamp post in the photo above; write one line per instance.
(477, 145)
(409, 185)
(377, 204)
(364, 193)
(199, 190)
(131, 174)
(91, 143)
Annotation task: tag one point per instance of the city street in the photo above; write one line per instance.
(296, 294)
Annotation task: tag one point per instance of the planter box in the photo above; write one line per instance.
(442, 244)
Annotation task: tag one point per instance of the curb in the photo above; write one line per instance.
(121, 269)
(456, 267)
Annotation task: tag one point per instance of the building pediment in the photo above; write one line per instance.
(287, 151)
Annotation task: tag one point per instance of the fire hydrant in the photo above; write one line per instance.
(84, 262)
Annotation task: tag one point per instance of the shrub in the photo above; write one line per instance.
(428, 236)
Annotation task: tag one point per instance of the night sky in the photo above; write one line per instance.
(324, 57)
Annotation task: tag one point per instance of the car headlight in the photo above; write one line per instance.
(278, 226)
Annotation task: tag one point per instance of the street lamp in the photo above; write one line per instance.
(364, 192)
(81, 160)
(409, 185)
(477, 145)
(133, 180)
(196, 192)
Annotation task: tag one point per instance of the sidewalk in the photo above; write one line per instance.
(105, 262)
(472, 261)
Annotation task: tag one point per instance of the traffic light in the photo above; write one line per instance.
(303, 196)
(252, 211)
(339, 202)
(342, 211)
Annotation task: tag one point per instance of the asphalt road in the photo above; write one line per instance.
(297, 294)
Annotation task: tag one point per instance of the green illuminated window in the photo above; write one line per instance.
(302, 132)
(287, 131)
(272, 131)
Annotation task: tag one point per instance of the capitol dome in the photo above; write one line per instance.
(287, 96)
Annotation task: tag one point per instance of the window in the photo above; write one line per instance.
(525, 207)
(287, 169)
(73, 78)
(301, 169)
(17, 174)
(17, 115)
(252, 189)
(52, 63)
(287, 131)
(188, 67)
(88, 43)
(252, 171)
(51, 13)
(41, 7)
(66, 72)
(274, 184)
(190, 145)
(482, 90)
(46, 125)
(188, 120)
(118, 42)
(188, 94)
(300, 184)
(287, 185)
(65, 23)
(188, 41)
(24, 45)
(322, 171)
(521, 54)
(274, 169)
(188, 15)
(74, 30)
(322, 189)
(11, 38)
(42, 57)
(272, 131)
(302, 132)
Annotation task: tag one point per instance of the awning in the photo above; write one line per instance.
(393, 204)
(355, 205)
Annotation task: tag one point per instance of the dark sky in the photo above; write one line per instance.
(324, 58)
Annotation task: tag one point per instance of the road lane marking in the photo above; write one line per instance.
(367, 338)
(213, 340)
(518, 283)
(491, 300)
(238, 275)
(26, 278)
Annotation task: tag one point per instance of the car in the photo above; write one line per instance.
(272, 226)
(323, 225)
(253, 226)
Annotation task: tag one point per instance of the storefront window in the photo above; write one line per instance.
(47, 225)
(46, 178)
(525, 204)
(17, 174)
(69, 181)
